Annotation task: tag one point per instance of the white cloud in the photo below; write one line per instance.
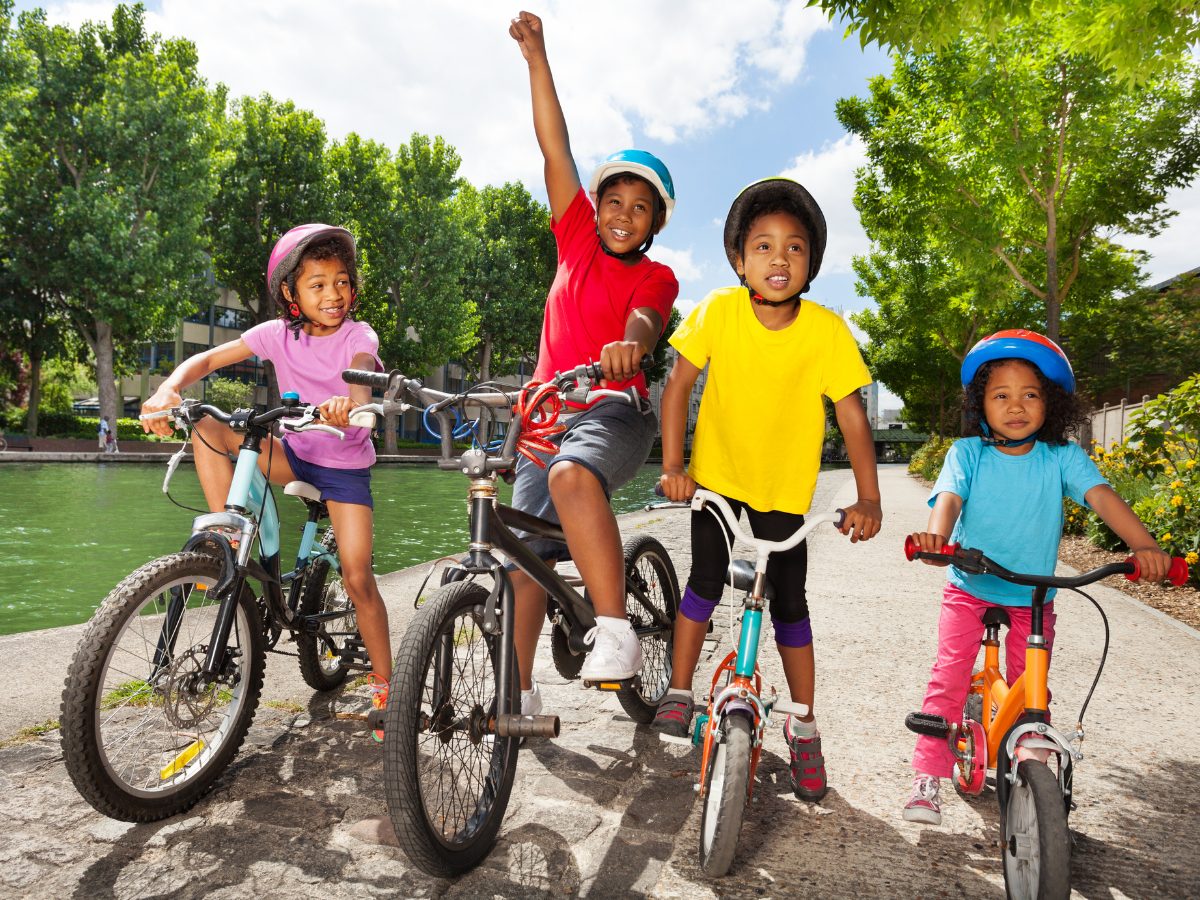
(1176, 250)
(829, 176)
(627, 69)
(681, 262)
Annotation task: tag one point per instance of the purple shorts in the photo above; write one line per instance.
(339, 485)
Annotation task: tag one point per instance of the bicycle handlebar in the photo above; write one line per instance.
(975, 563)
(192, 411)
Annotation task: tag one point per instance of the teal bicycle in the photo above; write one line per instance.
(730, 731)
(166, 680)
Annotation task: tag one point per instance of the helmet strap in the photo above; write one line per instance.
(989, 441)
(760, 300)
(628, 254)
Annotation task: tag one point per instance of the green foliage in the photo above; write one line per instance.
(510, 265)
(927, 461)
(230, 394)
(107, 180)
(1137, 38)
(1012, 155)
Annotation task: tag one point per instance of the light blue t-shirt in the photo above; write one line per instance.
(1012, 510)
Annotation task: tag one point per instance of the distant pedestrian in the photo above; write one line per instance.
(104, 433)
(110, 439)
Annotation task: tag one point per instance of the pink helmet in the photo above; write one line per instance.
(286, 253)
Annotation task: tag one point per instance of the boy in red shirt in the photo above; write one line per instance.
(608, 302)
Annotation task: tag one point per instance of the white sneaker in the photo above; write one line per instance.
(924, 805)
(616, 651)
(531, 701)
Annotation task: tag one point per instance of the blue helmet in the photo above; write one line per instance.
(1018, 343)
(644, 165)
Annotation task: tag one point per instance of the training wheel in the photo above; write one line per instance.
(971, 768)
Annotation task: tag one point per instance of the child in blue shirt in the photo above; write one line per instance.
(1001, 491)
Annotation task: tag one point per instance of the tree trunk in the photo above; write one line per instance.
(389, 434)
(106, 385)
(1052, 299)
(485, 360)
(35, 392)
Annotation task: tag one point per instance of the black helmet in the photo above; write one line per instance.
(779, 193)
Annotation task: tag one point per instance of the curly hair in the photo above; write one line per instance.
(330, 248)
(1063, 411)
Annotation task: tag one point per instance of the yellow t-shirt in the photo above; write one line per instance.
(762, 422)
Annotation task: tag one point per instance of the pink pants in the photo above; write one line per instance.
(960, 631)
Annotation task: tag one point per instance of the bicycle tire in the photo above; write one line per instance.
(648, 564)
(726, 791)
(1036, 842)
(436, 740)
(320, 652)
(121, 682)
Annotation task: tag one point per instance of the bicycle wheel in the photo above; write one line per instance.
(566, 662)
(649, 573)
(143, 737)
(320, 652)
(725, 793)
(447, 776)
(1037, 844)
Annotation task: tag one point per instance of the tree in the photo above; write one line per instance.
(229, 393)
(1021, 155)
(108, 178)
(511, 263)
(273, 174)
(1137, 38)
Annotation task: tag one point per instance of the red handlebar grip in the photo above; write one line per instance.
(910, 548)
(1177, 574)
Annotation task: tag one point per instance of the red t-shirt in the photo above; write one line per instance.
(593, 294)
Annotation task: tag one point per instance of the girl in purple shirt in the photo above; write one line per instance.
(312, 275)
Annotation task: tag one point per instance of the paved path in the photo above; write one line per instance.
(606, 810)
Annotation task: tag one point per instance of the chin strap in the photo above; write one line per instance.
(628, 254)
(760, 300)
(989, 441)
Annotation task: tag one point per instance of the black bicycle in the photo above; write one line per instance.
(165, 682)
(452, 723)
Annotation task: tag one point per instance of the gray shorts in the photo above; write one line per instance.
(611, 440)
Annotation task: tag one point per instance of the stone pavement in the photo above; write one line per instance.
(606, 810)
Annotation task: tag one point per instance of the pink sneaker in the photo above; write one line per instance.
(808, 765)
(924, 805)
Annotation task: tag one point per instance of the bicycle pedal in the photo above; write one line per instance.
(672, 739)
(376, 719)
(634, 683)
(799, 710)
(927, 724)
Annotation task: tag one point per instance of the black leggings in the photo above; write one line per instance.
(786, 571)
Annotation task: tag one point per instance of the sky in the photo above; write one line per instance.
(725, 93)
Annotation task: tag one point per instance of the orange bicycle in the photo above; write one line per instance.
(1007, 728)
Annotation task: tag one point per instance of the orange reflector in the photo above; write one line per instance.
(609, 685)
(180, 762)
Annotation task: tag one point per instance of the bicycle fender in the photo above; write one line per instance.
(208, 542)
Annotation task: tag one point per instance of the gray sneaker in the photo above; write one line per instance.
(674, 715)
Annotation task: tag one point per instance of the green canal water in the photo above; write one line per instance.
(70, 531)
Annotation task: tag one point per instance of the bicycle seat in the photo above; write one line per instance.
(996, 616)
(302, 489)
(741, 573)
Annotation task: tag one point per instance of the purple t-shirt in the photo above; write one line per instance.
(312, 367)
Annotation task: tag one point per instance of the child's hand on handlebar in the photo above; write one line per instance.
(1153, 563)
(163, 399)
(676, 484)
(336, 411)
(621, 360)
(863, 520)
(928, 542)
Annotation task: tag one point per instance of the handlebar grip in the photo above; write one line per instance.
(1177, 574)
(658, 490)
(912, 548)
(841, 519)
(379, 380)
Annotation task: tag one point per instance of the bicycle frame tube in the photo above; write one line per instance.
(747, 654)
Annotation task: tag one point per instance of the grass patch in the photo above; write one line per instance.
(286, 705)
(31, 732)
(139, 693)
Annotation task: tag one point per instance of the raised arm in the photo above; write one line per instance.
(187, 373)
(549, 124)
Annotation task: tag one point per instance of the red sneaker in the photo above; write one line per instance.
(379, 697)
(808, 765)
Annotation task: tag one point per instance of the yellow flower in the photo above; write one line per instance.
(1176, 500)
(1190, 464)
(1192, 558)
(1176, 484)
(1166, 537)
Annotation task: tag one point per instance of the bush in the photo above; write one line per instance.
(927, 461)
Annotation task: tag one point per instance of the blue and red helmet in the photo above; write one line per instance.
(1019, 343)
(642, 164)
